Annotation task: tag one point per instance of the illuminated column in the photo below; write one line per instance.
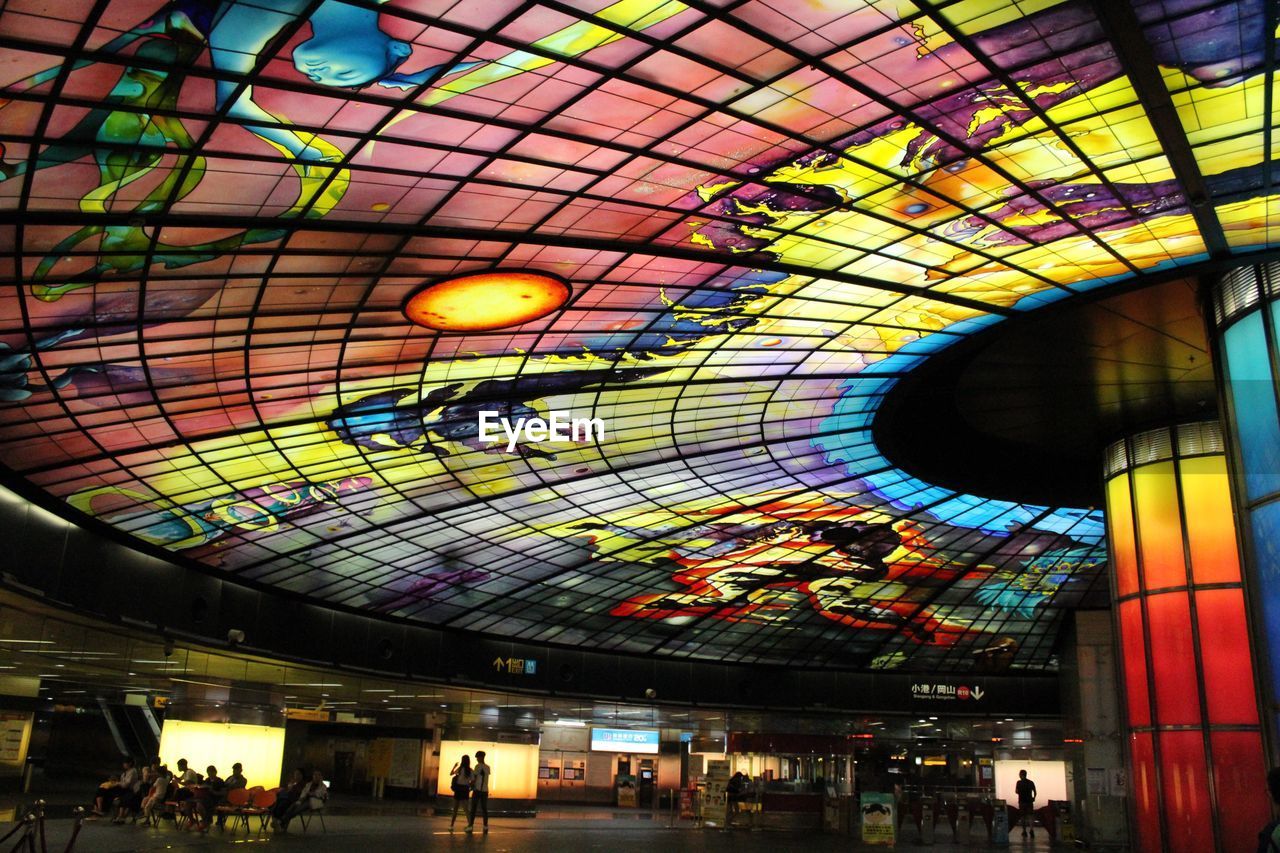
(1246, 310)
(1196, 764)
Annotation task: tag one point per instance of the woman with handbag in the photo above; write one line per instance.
(461, 780)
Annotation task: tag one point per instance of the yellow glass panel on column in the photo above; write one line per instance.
(1124, 551)
(1211, 533)
(1159, 526)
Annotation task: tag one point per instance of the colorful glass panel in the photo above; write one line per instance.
(214, 214)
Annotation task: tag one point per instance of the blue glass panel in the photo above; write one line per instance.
(1249, 371)
(1265, 521)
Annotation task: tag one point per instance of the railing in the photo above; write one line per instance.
(31, 828)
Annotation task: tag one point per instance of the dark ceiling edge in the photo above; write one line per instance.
(884, 425)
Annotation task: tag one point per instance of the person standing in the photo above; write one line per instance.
(460, 783)
(1269, 838)
(1026, 790)
(479, 792)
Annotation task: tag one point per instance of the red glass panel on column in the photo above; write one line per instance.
(1185, 784)
(1225, 655)
(1238, 771)
(1146, 805)
(1173, 662)
(1159, 526)
(1133, 645)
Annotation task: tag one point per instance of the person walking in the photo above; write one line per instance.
(479, 792)
(1026, 790)
(460, 783)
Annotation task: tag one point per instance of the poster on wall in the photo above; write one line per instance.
(715, 807)
(406, 763)
(879, 823)
(380, 758)
(13, 738)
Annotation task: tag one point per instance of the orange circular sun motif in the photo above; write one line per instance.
(486, 301)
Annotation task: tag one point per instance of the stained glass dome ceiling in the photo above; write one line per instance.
(270, 260)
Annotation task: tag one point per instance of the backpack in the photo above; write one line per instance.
(461, 782)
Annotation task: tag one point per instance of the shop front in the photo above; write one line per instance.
(628, 768)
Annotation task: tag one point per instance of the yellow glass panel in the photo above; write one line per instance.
(1124, 549)
(1211, 533)
(1159, 527)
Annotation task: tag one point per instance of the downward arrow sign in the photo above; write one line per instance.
(977, 693)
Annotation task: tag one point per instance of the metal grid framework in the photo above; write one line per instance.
(767, 212)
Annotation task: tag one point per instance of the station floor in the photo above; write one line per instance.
(405, 829)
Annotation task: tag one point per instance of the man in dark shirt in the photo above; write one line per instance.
(1026, 790)
(208, 796)
(231, 783)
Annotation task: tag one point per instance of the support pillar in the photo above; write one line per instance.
(1245, 314)
(1195, 746)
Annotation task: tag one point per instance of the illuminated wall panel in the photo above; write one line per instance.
(1184, 639)
(513, 766)
(259, 748)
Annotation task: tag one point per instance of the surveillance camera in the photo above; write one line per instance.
(235, 636)
(650, 693)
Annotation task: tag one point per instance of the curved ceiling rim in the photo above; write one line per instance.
(958, 350)
(95, 527)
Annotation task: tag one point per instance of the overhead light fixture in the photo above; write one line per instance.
(573, 724)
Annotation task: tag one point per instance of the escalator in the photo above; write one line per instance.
(134, 729)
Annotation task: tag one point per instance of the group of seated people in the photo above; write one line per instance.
(298, 797)
(146, 793)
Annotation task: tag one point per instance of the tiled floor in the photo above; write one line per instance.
(401, 830)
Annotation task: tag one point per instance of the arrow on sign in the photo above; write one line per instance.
(976, 693)
(499, 664)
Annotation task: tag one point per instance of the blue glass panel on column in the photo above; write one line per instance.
(1265, 521)
(1248, 370)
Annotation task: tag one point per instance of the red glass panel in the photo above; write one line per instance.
(1124, 550)
(1211, 532)
(1226, 657)
(1173, 663)
(1185, 785)
(1238, 771)
(1133, 646)
(1159, 526)
(1146, 801)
